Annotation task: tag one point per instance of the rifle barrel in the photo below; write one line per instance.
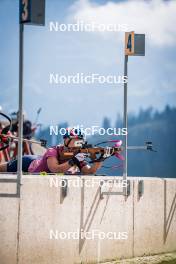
(24, 139)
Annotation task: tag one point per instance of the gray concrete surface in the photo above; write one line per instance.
(26, 223)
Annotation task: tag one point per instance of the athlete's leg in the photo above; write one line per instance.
(27, 159)
(12, 166)
(3, 167)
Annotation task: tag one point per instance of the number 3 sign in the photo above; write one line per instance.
(32, 12)
(24, 11)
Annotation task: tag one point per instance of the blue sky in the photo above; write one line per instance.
(152, 79)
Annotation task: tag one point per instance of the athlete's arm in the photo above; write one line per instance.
(54, 166)
(91, 170)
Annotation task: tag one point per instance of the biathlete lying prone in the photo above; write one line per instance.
(50, 162)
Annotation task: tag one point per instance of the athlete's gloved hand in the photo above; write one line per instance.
(107, 153)
(77, 159)
(80, 156)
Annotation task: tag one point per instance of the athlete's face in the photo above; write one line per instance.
(71, 143)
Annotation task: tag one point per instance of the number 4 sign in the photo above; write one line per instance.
(129, 43)
(134, 44)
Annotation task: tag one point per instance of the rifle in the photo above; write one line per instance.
(5, 139)
(95, 153)
(98, 153)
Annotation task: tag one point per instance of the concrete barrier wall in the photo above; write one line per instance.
(148, 221)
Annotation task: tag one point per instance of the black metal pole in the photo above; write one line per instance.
(20, 110)
(125, 123)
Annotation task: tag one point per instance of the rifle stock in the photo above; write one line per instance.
(91, 152)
